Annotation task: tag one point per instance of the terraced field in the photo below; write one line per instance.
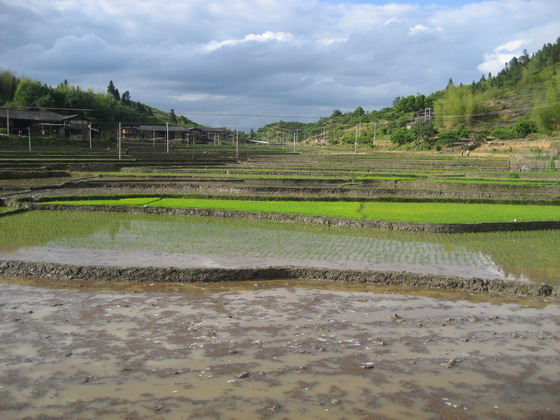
(141, 288)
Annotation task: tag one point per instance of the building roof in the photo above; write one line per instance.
(39, 116)
(163, 127)
(176, 128)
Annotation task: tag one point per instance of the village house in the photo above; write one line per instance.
(190, 135)
(426, 115)
(44, 123)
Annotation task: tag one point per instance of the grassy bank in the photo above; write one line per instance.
(400, 212)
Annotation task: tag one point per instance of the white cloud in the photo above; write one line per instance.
(418, 28)
(511, 46)
(264, 37)
(495, 61)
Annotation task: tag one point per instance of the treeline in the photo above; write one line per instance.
(107, 107)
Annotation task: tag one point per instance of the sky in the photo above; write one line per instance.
(244, 63)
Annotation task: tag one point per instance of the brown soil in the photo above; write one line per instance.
(278, 350)
(198, 275)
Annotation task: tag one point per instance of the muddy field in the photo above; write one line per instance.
(284, 350)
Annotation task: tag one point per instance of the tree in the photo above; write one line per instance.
(424, 131)
(547, 115)
(459, 104)
(125, 98)
(32, 93)
(336, 113)
(172, 116)
(359, 112)
(523, 128)
(113, 91)
(8, 86)
(401, 136)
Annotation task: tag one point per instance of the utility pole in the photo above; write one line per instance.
(374, 132)
(8, 122)
(29, 135)
(119, 140)
(295, 141)
(236, 143)
(356, 141)
(90, 136)
(167, 135)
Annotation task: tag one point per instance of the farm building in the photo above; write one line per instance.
(426, 115)
(44, 123)
(186, 134)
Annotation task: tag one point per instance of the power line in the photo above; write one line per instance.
(16, 108)
(245, 115)
(184, 113)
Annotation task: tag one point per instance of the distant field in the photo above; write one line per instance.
(402, 212)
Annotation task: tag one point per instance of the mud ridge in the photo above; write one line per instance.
(316, 220)
(199, 275)
(11, 212)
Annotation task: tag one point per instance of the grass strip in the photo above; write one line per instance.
(497, 182)
(344, 177)
(382, 199)
(402, 212)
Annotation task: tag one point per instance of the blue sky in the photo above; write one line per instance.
(301, 58)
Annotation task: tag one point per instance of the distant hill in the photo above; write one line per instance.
(109, 107)
(521, 99)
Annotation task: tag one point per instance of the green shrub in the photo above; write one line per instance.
(401, 136)
(502, 133)
(447, 136)
(523, 128)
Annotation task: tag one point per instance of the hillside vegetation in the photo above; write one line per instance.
(109, 107)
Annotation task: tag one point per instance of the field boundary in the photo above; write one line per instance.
(317, 220)
(198, 275)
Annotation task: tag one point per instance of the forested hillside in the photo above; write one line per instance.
(521, 99)
(111, 106)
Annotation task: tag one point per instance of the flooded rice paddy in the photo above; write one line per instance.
(278, 350)
(83, 238)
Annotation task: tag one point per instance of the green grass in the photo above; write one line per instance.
(54, 159)
(404, 212)
(344, 177)
(499, 182)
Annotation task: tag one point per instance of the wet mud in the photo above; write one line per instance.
(272, 350)
(197, 275)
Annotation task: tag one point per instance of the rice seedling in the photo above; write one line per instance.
(399, 211)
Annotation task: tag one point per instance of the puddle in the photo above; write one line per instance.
(257, 350)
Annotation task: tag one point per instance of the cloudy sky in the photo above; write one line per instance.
(232, 62)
